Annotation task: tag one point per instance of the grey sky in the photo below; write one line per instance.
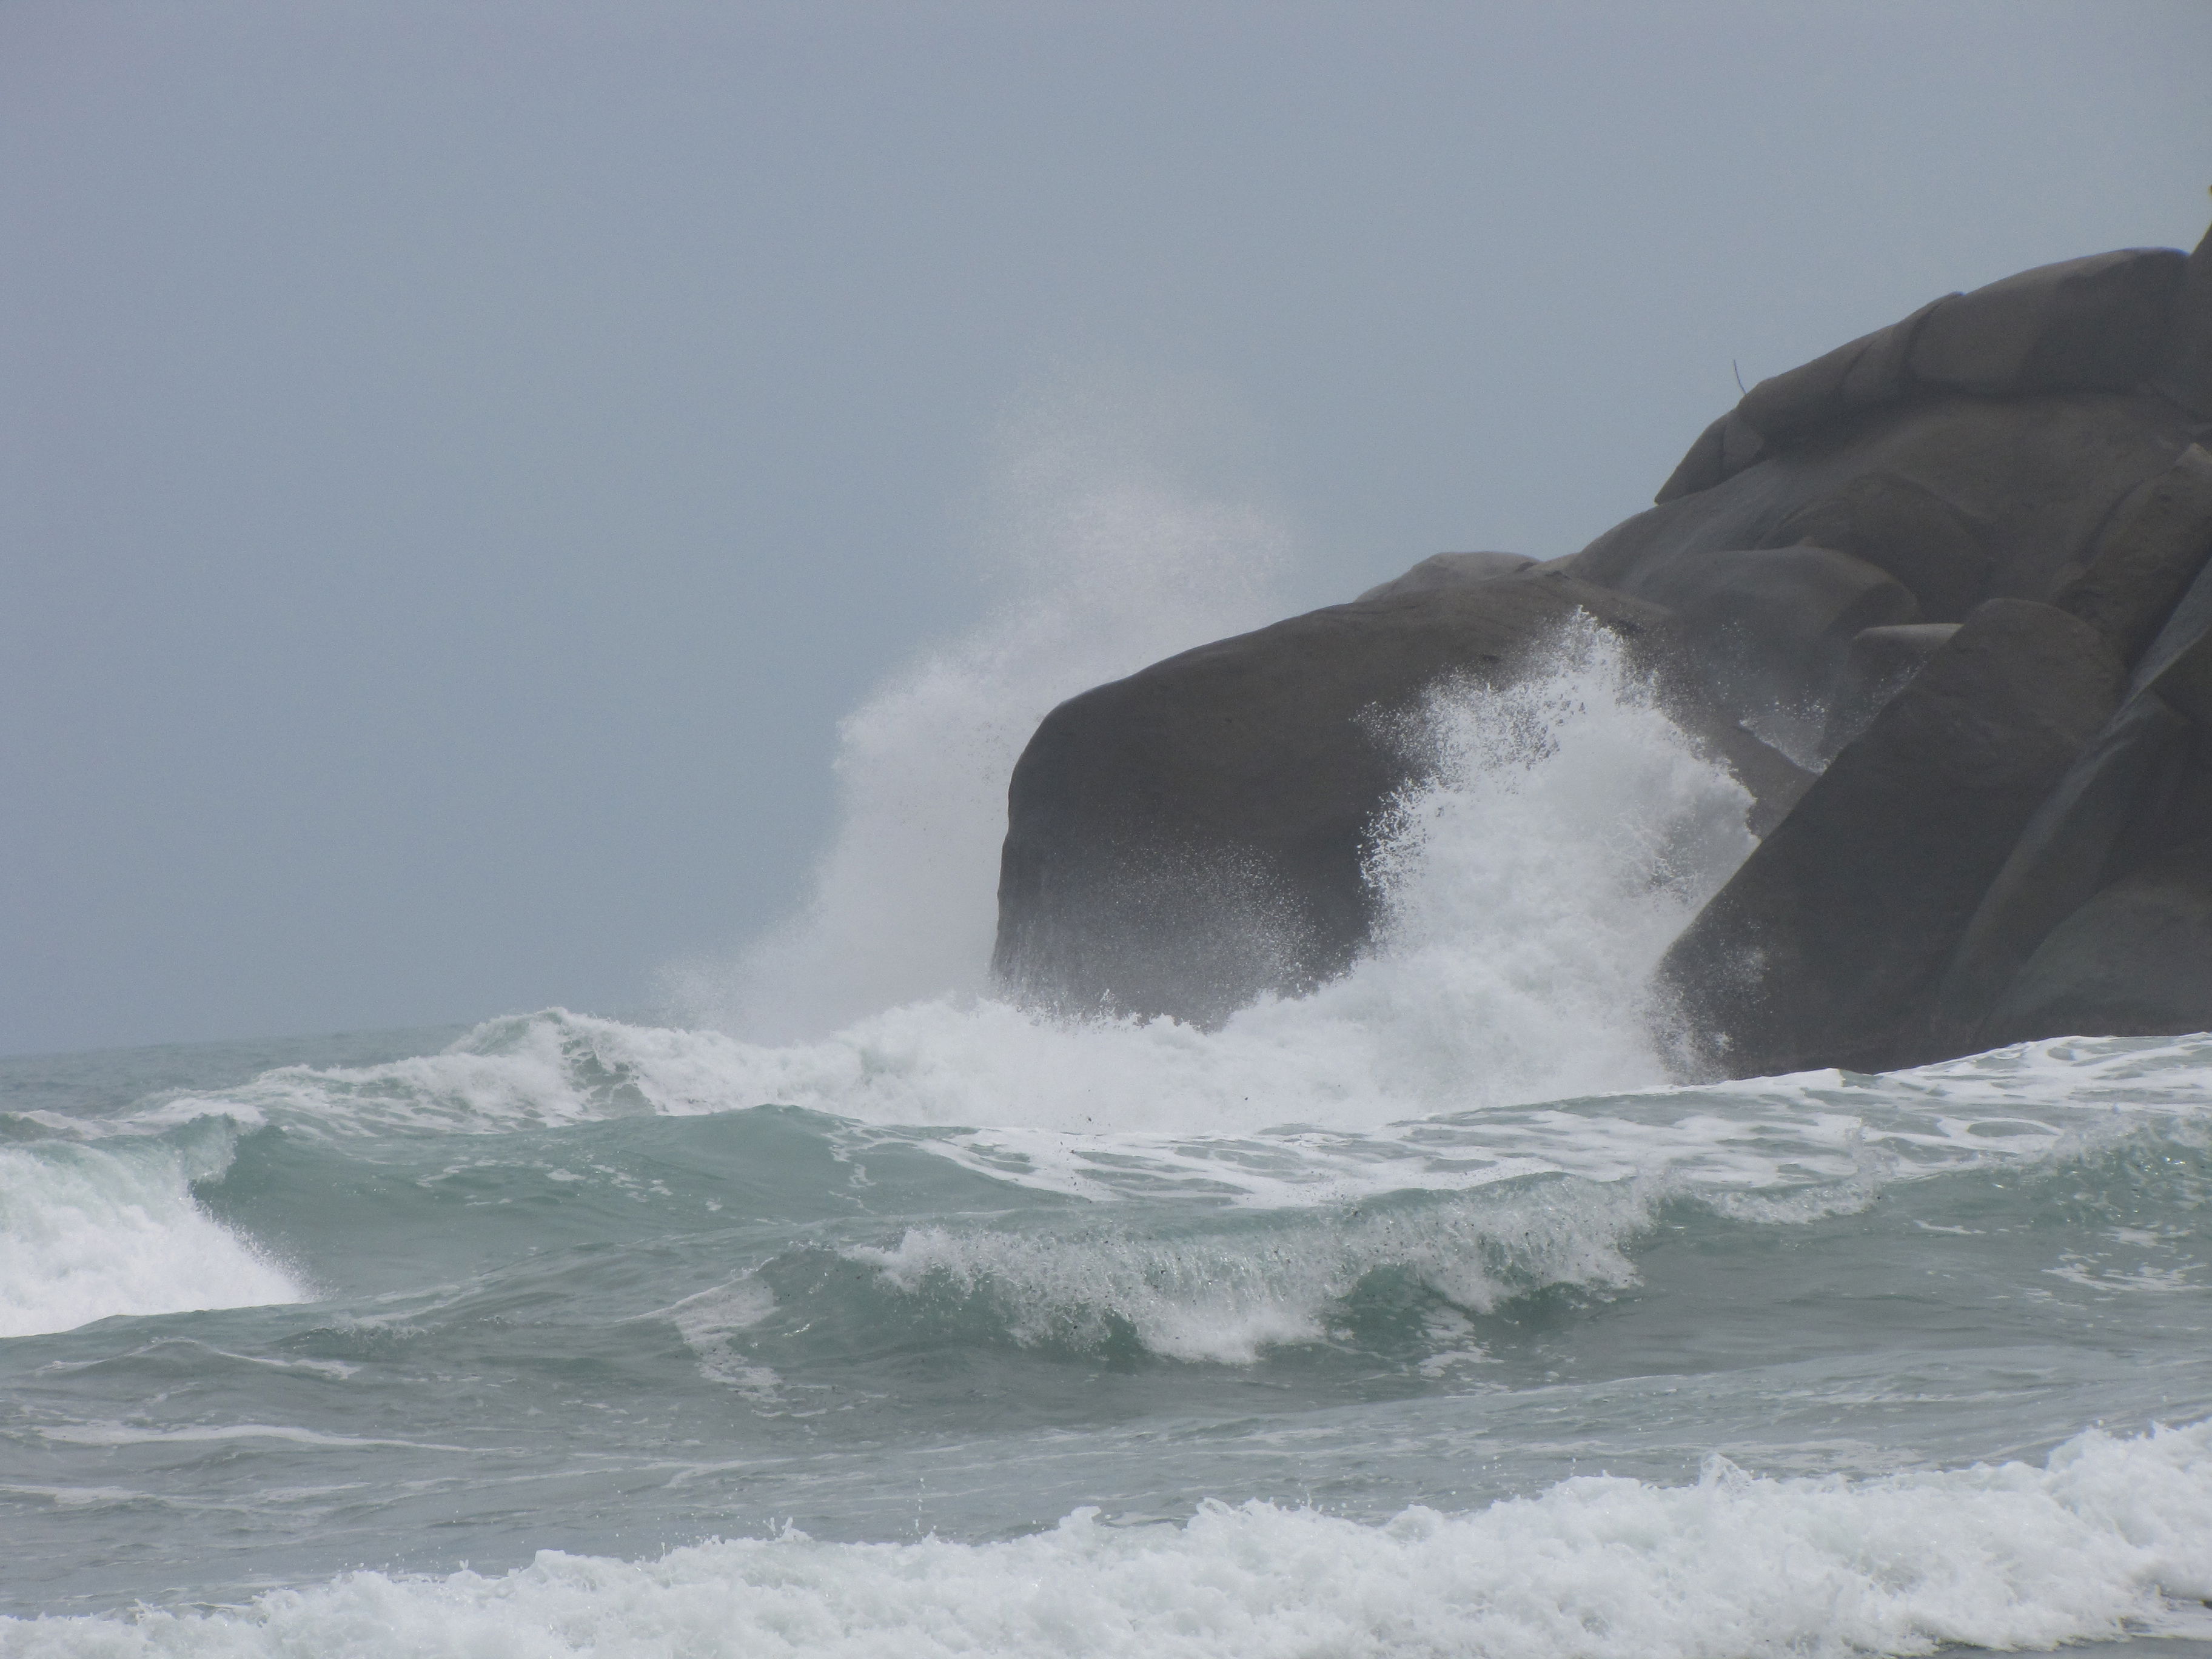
(458, 460)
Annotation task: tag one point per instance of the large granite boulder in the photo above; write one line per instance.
(1963, 555)
(2013, 491)
(2093, 324)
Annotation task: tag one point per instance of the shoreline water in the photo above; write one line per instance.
(543, 1291)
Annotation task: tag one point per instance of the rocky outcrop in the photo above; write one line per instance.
(1957, 568)
(2105, 323)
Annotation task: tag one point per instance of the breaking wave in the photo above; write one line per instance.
(2103, 1538)
(90, 1231)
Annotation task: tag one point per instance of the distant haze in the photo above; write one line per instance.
(459, 460)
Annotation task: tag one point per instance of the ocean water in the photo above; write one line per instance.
(1421, 1316)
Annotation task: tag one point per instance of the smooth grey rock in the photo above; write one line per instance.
(1798, 399)
(1905, 529)
(2177, 664)
(1742, 443)
(1180, 841)
(1441, 571)
(1863, 374)
(2035, 478)
(1868, 371)
(1880, 663)
(2159, 539)
(2134, 960)
(2074, 845)
(2097, 323)
(1883, 371)
(2185, 368)
(1771, 625)
(1700, 468)
(1822, 948)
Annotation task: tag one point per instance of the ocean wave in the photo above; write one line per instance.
(1224, 1286)
(1226, 1296)
(2102, 1540)
(92, 1231)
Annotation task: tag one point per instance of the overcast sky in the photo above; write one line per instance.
(459, 460)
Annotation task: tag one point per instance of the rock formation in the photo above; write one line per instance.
(1957, 568)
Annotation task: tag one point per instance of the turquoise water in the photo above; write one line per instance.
(540, 1292)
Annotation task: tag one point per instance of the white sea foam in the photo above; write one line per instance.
(90, 1231)
(2106, 1537)
(710, 1323)
(131, 1434)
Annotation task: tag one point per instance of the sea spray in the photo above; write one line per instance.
(1562, 833)
(1563, 830)
(1101, 558)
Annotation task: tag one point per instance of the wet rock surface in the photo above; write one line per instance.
(1186, 838)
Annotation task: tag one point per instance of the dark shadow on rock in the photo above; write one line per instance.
(1771, 629)
(1820, 949)
(1880, 663)
(2134, 960)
